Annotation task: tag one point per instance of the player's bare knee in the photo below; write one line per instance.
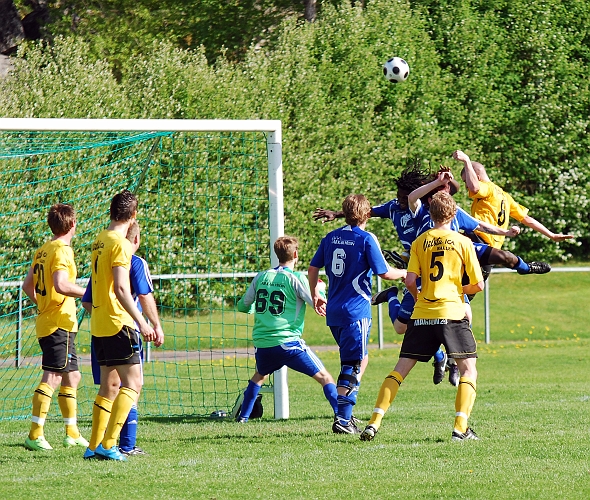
(399, 327)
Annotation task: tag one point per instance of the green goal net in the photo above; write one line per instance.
(208, 211)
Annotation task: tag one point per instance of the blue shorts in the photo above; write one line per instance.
(483, 252)
(295, 355)
(352, 340)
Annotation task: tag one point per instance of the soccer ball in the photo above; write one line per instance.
(396, 70)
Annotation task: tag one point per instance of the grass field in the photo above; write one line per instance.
(532, 414)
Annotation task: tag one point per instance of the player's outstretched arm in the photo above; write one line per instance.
(394, 274)
(537, 226)
(498, 231)
(471, 179)
(327, 215)
(414, 197)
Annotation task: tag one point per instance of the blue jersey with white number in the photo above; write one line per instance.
(461, 222)
(350, 256)
(402, 219)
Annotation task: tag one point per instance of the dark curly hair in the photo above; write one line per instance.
(413, 176)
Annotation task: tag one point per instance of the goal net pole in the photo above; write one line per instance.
(275, 173)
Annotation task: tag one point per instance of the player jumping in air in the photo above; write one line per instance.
(494, 205)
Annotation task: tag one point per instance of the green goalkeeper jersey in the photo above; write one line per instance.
(277, 297)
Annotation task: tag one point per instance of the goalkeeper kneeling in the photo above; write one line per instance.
(277, 298)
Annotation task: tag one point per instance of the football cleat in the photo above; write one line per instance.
(395, 259)
(454, 374)
(350, 428)
(70, 442)
(383, 295)
(538, 267)
(464, 436)
(369, 433)
(242, 420)
(110, 454)
(89, 454)
(353, 419)
(439, 370)
(136, 450)
(356, 421)
(39, 444)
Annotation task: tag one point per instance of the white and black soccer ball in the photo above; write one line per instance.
(396, 70)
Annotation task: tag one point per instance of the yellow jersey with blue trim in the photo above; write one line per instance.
(110, 249)
(440, 257)
(494, 205)
(55, 310)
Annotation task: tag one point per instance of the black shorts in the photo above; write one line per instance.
(122, 348)
(59, 352)
(424, 337)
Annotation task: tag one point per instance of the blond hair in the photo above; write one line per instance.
(132, 231)
(357, 209)
(442, 207)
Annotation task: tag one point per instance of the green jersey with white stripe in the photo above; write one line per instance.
(277, 297)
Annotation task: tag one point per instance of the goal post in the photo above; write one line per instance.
(211, 206)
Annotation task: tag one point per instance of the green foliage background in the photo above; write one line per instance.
(505, 81)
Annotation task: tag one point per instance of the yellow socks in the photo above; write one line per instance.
(123, 403)
(69, 406)
(464, 403)
(101, 413)
(387, 394)
(41, 404)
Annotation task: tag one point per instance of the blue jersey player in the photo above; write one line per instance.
(405, 225)
(486, 254)
(350, 256)
(142, 292)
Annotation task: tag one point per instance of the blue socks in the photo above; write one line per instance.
(394, 306)
(128, 435)
(250, 395)
(522, 267)
(332, 396)
(439, 355)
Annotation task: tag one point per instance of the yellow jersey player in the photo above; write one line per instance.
(440, 257)
(51, 284)
(494, 205)
(115, 339)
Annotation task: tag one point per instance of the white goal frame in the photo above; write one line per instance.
(272, 128)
